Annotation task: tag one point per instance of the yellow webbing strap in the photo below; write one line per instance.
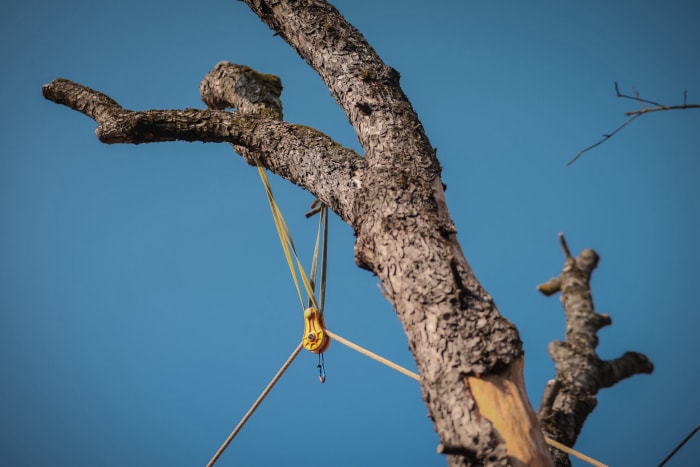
(321, 244)
(287, 244)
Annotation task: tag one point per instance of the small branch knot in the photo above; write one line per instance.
(237, 86)
(587, 261)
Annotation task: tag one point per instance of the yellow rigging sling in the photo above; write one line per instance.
(315, 337)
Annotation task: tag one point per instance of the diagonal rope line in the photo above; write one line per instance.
(282, 230)
(573, 452)
(255, 405)
(287, 243)
(373, 355)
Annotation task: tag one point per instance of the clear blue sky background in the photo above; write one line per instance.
(144, 300)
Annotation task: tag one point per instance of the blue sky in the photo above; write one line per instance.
(144, 299)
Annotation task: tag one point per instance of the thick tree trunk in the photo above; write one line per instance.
(406, 237)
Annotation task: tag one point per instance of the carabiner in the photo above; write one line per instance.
(321, 369)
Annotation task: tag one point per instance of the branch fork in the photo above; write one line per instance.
(634, 114)
(253, 126)
(580, 373)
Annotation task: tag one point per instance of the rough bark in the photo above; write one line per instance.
(469, 356)
(435, 312)
(298, 153)
(580, 373)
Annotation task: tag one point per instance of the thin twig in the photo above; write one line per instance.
(604, 139)
(665, 107)
(633, 114)
(635, 97)
(564, 246)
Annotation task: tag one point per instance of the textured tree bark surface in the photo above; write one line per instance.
(469, 357)
(571, 396)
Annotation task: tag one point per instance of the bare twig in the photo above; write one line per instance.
(604, 139)
(635, 97)
(634, 114)
(564, 246)
(665, 107)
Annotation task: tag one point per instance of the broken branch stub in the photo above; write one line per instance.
(237, 86)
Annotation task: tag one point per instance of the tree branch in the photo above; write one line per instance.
(304, 156)
(363, 85)
(580, 373)
(634, 114)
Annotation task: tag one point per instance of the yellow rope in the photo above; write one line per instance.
(255, 405)
(321, 247)
(287, 243)
(573, 452)
(373, 355)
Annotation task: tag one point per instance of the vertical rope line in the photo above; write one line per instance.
(255, 405)
(324, 256)
(313, 275)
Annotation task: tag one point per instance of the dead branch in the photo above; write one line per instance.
(634, 114)
(302, 155)
(570, 397)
